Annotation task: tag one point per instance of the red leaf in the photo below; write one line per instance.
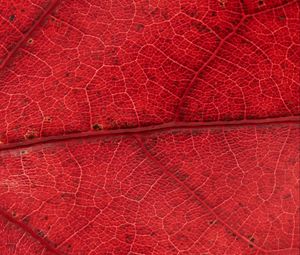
(149, 127)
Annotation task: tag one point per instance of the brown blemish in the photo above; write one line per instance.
(30, 41)
(251, 239)
(201, 75)
(48, 119)
(260, 2)
(139, 27)
(29, 135)
(26, 220)
(115, 60)
(24, 152)
(231, 233)
(40, 233)
(281, 17)
(129, 238)
(199, 27)
(153, 233)
(212, 222)
(12, 17)
(97, 127)
(287, 196)
(222, 3)
(154, 12)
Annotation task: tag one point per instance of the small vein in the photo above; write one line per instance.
(51, 7)
(183, 185)
(212, 57)
(29, 231)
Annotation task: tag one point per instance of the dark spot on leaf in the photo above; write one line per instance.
(40, 233)
(213, 14)
(181, 175)
(151, 77)
(69, 246)
(235, 22)
(139, 27)
(260, 2)
(200, 27)
(48, 119)
(217, 28)
(176, 83)
(201, 75)
(128, 238)
(222, 3)
(228, 29)
(14, 214)
(12, 18)
(30, 41)
(97, 127)
(116, 60)
(247, 20)
(26, 220)
(154, 12)
(153, 233)
(231, 233)
(46, 217)
(251, 239)
(281, 17)
(29, 135)
(24, 152)
(287, 196)
(22, 10)
(212, 222)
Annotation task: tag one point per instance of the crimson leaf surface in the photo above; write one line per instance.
(149, 127)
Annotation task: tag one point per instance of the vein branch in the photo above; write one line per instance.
(50, 8)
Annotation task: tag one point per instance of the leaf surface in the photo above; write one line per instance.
(149, 127)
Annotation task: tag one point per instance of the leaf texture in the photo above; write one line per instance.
(149, 127)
